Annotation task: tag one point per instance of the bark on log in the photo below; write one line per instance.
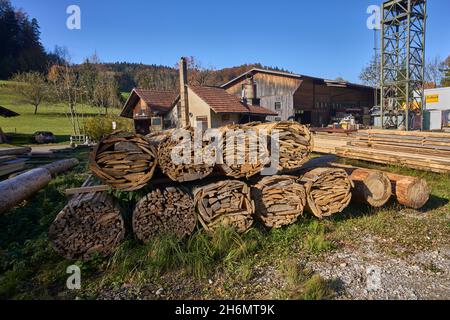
(15, 190)
(328, 191)
(279, 200)
(168, 211)
(410, 191)
(226, 203)
(124, 161)
(296, 143)
(61, 166)
(182, 171)
(243, 156)
(14, 151)
(91, 223)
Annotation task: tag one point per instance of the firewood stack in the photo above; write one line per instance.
(124, 161)
(167, 211)
(279, 200)
(227, 202)
(183, 170)
(295, 143)
(328, 191)
(249, 156)
(91, 223)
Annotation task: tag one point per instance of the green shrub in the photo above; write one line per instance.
(99, 126)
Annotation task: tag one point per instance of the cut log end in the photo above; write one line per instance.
(372, 187)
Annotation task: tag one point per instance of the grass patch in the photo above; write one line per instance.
(303, 284)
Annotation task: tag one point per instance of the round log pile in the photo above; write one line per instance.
(125, 161)
(295, 143)
(181, 171)
(226, 202)
(328, 191)
(243, 155)
(168, 211)
(279, 200)
(91, 223)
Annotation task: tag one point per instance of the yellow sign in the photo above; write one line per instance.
(432, 98)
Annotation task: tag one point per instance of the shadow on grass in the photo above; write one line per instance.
(434, 203)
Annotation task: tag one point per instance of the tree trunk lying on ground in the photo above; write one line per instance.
(180, 170)
(227, 202)
(409, 191)
(328, 191)
(14, 151)
(91, 223)
(61, 166)
(370, 186)
(412, 192)
(295, 142)
(15, 190)
(167, 211)
(279, 200)
(249, 156)
(124, 161)
(19, 188)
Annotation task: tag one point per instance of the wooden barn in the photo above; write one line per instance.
(207, 107)
(305, 99)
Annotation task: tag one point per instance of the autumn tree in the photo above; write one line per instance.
(32, 87)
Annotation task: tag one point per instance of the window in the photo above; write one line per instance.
(156, 121)
(277, 105)
(277, 118)
(202, 122)
(179, 110)
(225, 117)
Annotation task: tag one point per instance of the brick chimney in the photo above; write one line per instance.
(184, 103)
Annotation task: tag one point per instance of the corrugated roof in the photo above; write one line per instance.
(221, 101)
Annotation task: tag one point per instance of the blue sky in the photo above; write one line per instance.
(325, 39)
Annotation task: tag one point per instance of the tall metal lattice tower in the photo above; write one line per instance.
(402, 63)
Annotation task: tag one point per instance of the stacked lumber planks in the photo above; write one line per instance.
(429, 151)
(124, 161)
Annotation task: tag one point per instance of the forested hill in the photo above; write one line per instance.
(132, 75)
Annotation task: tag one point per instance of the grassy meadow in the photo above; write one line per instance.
(50, 117)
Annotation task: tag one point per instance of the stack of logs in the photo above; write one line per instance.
(91, 222)
(124, 161)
